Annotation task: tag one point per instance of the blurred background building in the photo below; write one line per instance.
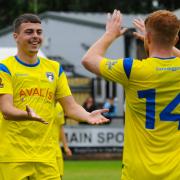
(70, 28)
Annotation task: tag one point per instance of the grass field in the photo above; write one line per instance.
(92, 170)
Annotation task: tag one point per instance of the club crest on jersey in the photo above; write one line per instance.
(111, 63)
(50, 76)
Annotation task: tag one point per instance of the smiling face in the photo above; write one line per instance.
(29, 38)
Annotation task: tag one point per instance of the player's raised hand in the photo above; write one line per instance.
(139, 25)
(96, 117)
(33, 116)
(114, 24)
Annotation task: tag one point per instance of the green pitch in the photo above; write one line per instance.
(92, 170)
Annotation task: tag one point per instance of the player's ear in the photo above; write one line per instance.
(15, 36)
(148, 37)
(176, 40)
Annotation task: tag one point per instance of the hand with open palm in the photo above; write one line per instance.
(140, 26)
(96, 117)
(114, 24)
(33, 116)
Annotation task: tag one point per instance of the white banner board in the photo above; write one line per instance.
(94, 136)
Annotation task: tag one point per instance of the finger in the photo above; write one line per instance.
(142, 21)
(39, 119)
(138, 23)
(123, 30)
(114, 14)
(138, 36)
(108, 16)
(92, 122)
(140, 26)
(102, 120)
(42, 121)
(99, 111)
(135, 23)
(118, 17)
(28, 110)
(105, 119)
(140, 29)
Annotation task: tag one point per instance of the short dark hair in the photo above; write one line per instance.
(25, 18)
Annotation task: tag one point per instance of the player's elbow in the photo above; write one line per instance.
(86, 61)
(6, 112)
(88, 65)
(91, 63)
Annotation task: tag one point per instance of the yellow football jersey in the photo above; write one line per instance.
(152, 119)
(39, 86)
(59, 121)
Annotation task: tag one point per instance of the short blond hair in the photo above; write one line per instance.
(164, 26)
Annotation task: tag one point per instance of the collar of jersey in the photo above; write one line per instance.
(25, 64)
(165, 58)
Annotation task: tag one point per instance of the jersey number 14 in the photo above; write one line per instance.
(165, 115)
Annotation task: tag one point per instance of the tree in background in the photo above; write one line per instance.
(13, 8)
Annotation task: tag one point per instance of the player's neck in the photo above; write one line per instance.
(27, 58)
(161, 52)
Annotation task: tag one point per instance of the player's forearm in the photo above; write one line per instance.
(78, 113)
(8, 110)
(100, 47)
(63, 138)
(176, 52)
(12, 113)
(96, 52)
(74, 110)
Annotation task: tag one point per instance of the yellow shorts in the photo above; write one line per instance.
(29, 171)
(60, 163)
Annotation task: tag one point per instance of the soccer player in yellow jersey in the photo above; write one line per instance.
(60, 137)
(152, 90)
(29, 87)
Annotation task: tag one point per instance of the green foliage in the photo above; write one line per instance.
(12, 8)
(92, 170)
